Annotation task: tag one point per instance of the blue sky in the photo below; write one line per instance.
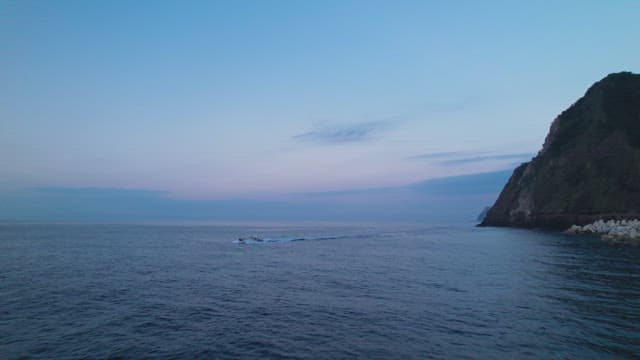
(259, 100)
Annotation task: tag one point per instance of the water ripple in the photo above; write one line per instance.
(176, 292)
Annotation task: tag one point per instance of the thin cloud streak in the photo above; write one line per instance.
(482, 158)
(468, 157)
(344, 134)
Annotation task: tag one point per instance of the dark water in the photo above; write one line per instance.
(100, 291)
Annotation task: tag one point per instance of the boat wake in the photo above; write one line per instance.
(282, 239)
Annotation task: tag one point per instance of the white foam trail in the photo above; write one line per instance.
(283, 239)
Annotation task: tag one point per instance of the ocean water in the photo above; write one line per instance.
(314, 292)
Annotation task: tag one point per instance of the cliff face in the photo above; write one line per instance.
(589, 165)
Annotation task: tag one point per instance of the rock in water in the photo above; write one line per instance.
(588, 168)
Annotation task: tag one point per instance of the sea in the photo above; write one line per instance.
(314, 291)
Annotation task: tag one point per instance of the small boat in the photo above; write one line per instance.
(250, 238)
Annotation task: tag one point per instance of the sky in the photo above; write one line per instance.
(231, 107)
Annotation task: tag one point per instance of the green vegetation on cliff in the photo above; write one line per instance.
(588, 168)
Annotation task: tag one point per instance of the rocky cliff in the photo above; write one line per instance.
(589, 165)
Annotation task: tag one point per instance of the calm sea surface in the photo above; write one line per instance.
(369, 292)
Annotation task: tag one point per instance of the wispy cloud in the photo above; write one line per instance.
(481, 158)
(468, 157)
(471, 184)
(345, 133)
